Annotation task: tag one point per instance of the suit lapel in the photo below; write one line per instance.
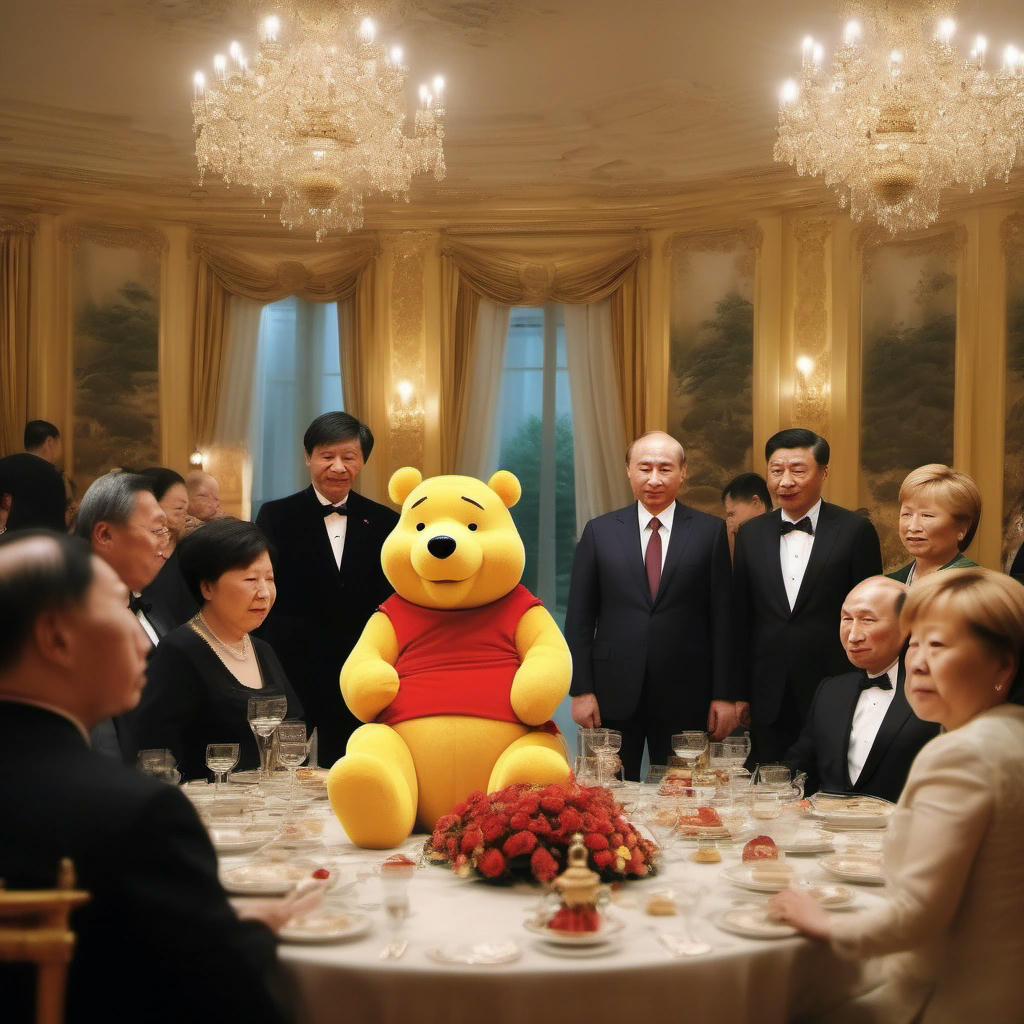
(632, 553)
(768, 549)
(844, 720)
(824, 539)
(895, 718)
(678, 539)
(355, 531)
(319, 544)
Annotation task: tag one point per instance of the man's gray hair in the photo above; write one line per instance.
(110, 499)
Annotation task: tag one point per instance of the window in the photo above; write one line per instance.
(536, 443)
(298, 377)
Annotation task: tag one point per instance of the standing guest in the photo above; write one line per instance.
(34, 482)
(202, 675)
(168, 591)
(203, 500)
(124, 524)
(744, 497)
(329, 580)
(792, 569)
(648, 614)
(939, 514)
(952, 849)
(157, 937)
(860, 735)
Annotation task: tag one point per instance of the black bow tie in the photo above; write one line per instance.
(882, 682)
(805, 524)
(329, 510)
(136, 605)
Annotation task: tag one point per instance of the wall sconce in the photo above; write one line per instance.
(406, 409)
(197, 459)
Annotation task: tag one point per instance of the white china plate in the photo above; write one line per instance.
(743, 875)
(753, 923)
(852, 812)
(326, 928)
(608, 929)
(476, 954)
(234, 840)
(807, 842)
(579, 952)
(851, 867)
(263, 879)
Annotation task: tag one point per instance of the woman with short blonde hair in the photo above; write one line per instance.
(939, 513)
(952, 850)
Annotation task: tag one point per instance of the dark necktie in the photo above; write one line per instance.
(136, 605)
(652, 558)
(882, 682)
(805, 524)
(329, 510)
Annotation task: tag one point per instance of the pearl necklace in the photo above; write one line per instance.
(239, 653)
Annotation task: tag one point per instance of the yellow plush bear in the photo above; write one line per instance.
(459, 672)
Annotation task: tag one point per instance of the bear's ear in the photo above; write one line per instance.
(403, 482)
(506, 486)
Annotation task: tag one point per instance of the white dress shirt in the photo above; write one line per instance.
(665, 517)
(335, 525)
(795, 551)
(871, 707)
(147, 626)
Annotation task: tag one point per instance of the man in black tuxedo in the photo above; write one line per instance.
(328, 573)
(792, 568)
(648, 615)
(860, 735)
(33, 480)
(158, 940)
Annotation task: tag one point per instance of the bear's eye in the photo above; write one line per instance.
(421, 526)
(472, 526)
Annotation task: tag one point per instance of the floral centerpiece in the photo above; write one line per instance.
(524, 831)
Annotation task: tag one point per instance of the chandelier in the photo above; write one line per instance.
(900, 115)
(317, 117)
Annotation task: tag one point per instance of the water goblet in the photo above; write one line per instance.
(158, 763)
(737, 749)
(777, 776)
(768, 803)
(292, 750)
(220, 759)
(606, 744)
(265, 714)
(689, 746)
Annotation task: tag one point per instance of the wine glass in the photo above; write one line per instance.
(606, 744)
(292, 750)
(265, 714)
(689, 746)
(736, 750)
(777, 776)
(158, 763)
(220, 759)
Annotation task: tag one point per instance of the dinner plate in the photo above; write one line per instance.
(830, 896)
(476, 954)
(326, 928)
(608, 929)
(851, 867)
(743, 875)
(237, 840)
(857, 812)
(815, 841)
(270, 878)
(579, 952)
(753, 923)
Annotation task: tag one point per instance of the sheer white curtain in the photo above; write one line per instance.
(599, 438)
(478, 450)
(240, 404)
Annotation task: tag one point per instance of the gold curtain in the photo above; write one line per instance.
(15, 260)
(262, 277)
(532, 270)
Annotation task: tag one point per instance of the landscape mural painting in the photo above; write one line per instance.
(908, 339)
(1013, 462)
(116, 324)
(710, 384)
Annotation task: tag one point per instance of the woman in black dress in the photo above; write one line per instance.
(202, 674)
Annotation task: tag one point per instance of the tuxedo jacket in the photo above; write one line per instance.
(37, 492)
(779, 649)
(158, 940)
(619, 637)
(320, 610)
(824, 744)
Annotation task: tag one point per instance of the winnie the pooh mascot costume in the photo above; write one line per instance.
(457, 674)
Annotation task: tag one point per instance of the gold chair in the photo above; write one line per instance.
(34, 929)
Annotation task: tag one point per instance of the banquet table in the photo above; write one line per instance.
(770, 981)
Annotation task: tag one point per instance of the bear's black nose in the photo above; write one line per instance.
(441, 547)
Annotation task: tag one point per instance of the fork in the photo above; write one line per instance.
(394, 950)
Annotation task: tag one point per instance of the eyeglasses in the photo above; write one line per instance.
(161, 531)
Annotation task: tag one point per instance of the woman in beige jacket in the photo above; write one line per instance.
(953, 929)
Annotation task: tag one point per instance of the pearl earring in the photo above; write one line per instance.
(999, 687)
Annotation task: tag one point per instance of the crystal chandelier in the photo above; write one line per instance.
(900, 116)
(317, 117)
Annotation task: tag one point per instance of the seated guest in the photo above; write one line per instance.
(939, 513)
(952, 850)
(202, 675)
(157, 941)
(168, 591)
(33, 480)
(860, 735)
(203, 500)
(744, 497)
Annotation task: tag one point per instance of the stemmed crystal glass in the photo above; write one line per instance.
(689, 746)
(736, 750)
(158, 763)
(265, 714)
(292, 750)
(220, 759)
(606, 744)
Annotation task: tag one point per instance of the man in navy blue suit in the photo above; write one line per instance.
(648, 614)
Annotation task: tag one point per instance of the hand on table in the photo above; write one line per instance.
(276, 913)
(722, 719)
(803, 911)
(585, 711)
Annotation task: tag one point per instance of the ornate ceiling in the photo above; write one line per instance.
(619, 112)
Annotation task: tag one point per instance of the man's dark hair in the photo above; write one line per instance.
(334, 427)
(218, 547)
(37, 584)
(162, 479)
(798, 437)
(37, 432)
(746, 487)
(110, 499)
